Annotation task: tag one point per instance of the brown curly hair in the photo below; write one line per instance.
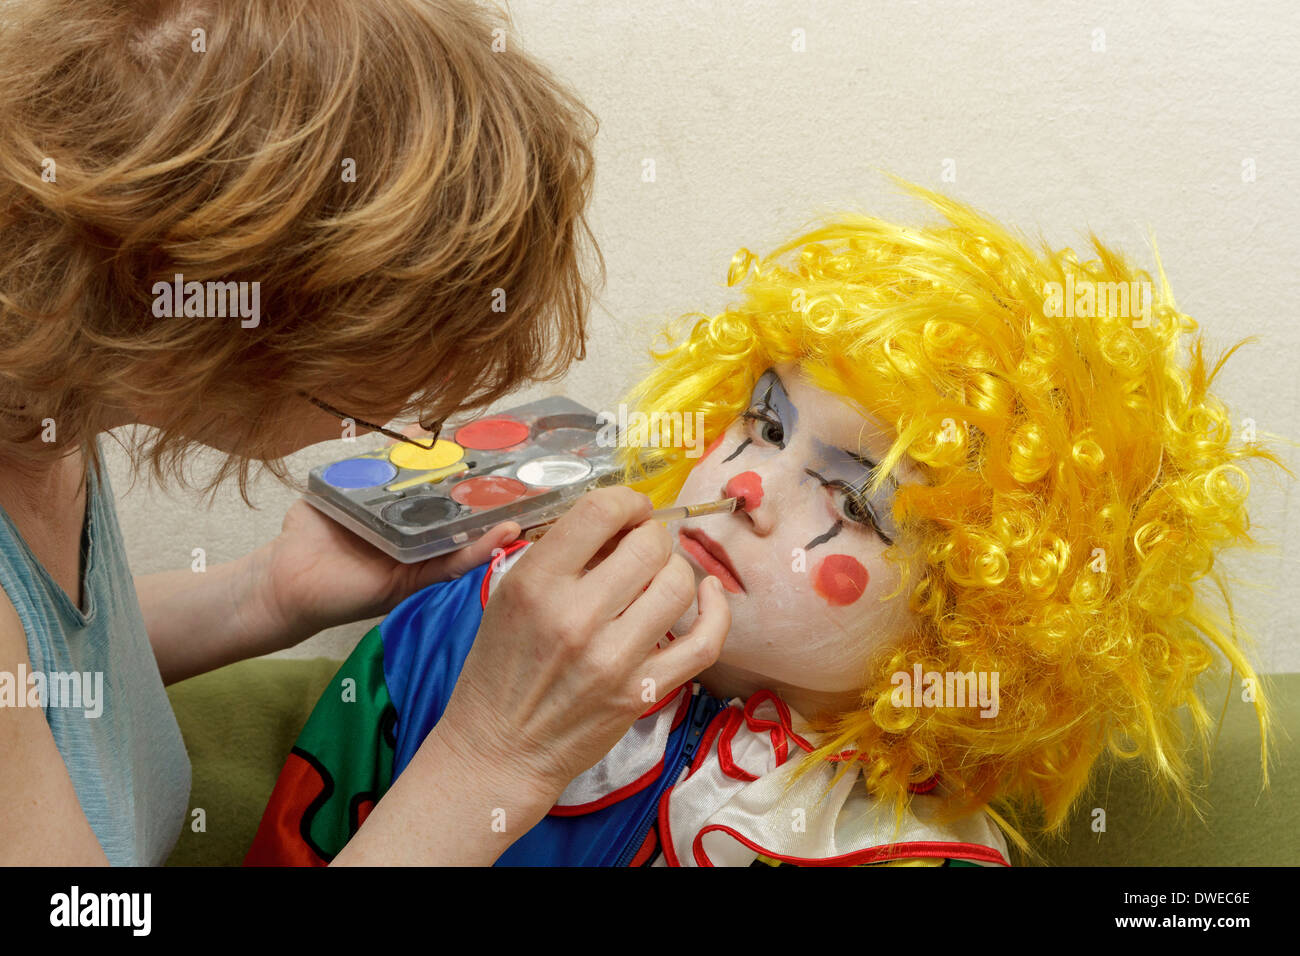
(139, 141)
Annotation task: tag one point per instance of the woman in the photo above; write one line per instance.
(382, 206)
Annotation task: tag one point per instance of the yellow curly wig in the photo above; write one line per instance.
(1081, 480)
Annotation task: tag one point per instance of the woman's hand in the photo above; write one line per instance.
(565, 659)
(318, 574)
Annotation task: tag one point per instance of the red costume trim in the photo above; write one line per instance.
(706, 742)
(724, 727)
(878, 854)
(659, 705)
(496, 562)
(666, 831)
(648, 847)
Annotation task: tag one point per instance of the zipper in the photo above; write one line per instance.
(700, 715)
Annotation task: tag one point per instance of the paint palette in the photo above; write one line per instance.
(525, 464)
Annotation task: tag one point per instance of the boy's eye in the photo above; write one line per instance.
(855, 509)
(853, 505)
(761, 420)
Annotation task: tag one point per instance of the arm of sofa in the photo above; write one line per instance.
(239, 723)
(1242, 826)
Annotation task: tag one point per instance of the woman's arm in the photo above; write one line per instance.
(314, 575)
(455, 804)
(199, 621)
(42, 823)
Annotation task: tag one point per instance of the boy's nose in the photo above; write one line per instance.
(747, 486)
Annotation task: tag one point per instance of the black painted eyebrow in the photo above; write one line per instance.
(767, 395)
(765, 398)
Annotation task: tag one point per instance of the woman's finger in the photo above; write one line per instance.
(689, 654)
(606, 549)
(580, 534)
(449, 566)
(611, 586)
(650, 614)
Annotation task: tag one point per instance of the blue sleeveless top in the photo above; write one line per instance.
(114, 725)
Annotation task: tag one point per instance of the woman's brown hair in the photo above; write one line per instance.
(406, 187)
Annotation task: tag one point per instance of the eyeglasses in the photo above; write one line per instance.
(434, 428)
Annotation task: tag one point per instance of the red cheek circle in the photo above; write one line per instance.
(840, 579)
(746, 485)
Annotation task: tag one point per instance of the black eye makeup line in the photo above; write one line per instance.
(762, 410)
(770, 421)
(836, 528)
(750, 415)
(857, 501)
(739, 448)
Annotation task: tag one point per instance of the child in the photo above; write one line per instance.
(979, 486)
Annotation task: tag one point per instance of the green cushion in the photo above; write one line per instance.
(240, 721)
(1243, 825)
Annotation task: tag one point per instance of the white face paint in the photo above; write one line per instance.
(806, 609)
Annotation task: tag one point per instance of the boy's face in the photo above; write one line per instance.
(802, 562)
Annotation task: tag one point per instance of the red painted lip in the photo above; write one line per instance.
(712, 557)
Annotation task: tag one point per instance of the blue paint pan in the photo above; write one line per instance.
(359, 473)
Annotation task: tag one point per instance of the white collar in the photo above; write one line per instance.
(736, 801)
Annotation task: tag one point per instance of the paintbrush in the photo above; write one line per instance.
(439, 474)
(432, 477)
(723, 506)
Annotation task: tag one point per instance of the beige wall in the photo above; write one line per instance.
(751, 139)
